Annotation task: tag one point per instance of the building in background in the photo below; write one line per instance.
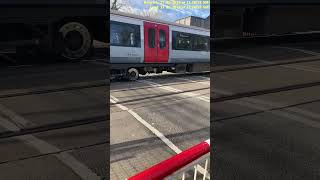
(195, 21)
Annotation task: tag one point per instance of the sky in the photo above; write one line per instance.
(138, 6)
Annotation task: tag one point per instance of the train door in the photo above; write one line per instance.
(163, 43)
(150, 49)
(156, 43)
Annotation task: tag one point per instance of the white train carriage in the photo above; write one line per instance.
(139, 45)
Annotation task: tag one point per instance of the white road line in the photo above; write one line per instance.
(114, 98)
(163, 138)
(297, 49)
(146, 124)
(8, 125)
(42, 146)
(168, 88)
(297, 67)
(264, 105)
(19, 121)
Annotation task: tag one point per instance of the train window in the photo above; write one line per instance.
(181, 41)
(151, 38)
(200, 43)
(123, 34)
(162, 39)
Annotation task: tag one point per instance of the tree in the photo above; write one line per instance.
(152, 12)
(125, 6)
(117, 4)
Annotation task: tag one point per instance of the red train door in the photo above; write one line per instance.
(150, 48)
(156, 43)
(163, 43)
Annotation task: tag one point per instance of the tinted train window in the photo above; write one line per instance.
(189, 42)
(181, 41)
(200, 43)
(123, 34)
(151, 38)
(162, 39)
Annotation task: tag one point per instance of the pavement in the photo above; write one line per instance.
(272, 134)
(153, 119)
(43, 94)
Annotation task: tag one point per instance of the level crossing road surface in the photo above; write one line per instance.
(154, 118)
(44, 97)
(265, 115)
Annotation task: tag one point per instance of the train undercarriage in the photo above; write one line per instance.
(133, 71)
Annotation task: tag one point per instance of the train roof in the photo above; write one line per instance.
(156, 20)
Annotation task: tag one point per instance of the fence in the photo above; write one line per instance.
(193, 163)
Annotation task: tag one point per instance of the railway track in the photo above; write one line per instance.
(244, 94)
(50, 89)
(52, 126)
(100, 83)
(157, 96)
(56, 152)
(53, 90)
(268, 110)
(271, 64)
(148, 87)
(64, 118)
(265, 91)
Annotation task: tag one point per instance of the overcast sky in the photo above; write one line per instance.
(138, 6)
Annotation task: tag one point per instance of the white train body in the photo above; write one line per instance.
(142, 42)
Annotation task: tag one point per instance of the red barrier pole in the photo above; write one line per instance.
(176, 162)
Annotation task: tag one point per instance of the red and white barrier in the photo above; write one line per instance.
(175, 163)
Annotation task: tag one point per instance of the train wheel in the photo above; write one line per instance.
(133, 74)
(77, 40)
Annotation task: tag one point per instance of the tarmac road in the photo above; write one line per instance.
(42, 95)
(272, 134)
(176, 108)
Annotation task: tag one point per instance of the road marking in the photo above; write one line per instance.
(296, 67)
(19, 121)
(114, 98)
(8, 125)
(42, 146)
(168, 88)
(7, 58)
(163, 138)
(297, 49)
(115, 101)
(263, 105)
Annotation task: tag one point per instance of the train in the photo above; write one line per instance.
(140, 45)
(59, 27)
